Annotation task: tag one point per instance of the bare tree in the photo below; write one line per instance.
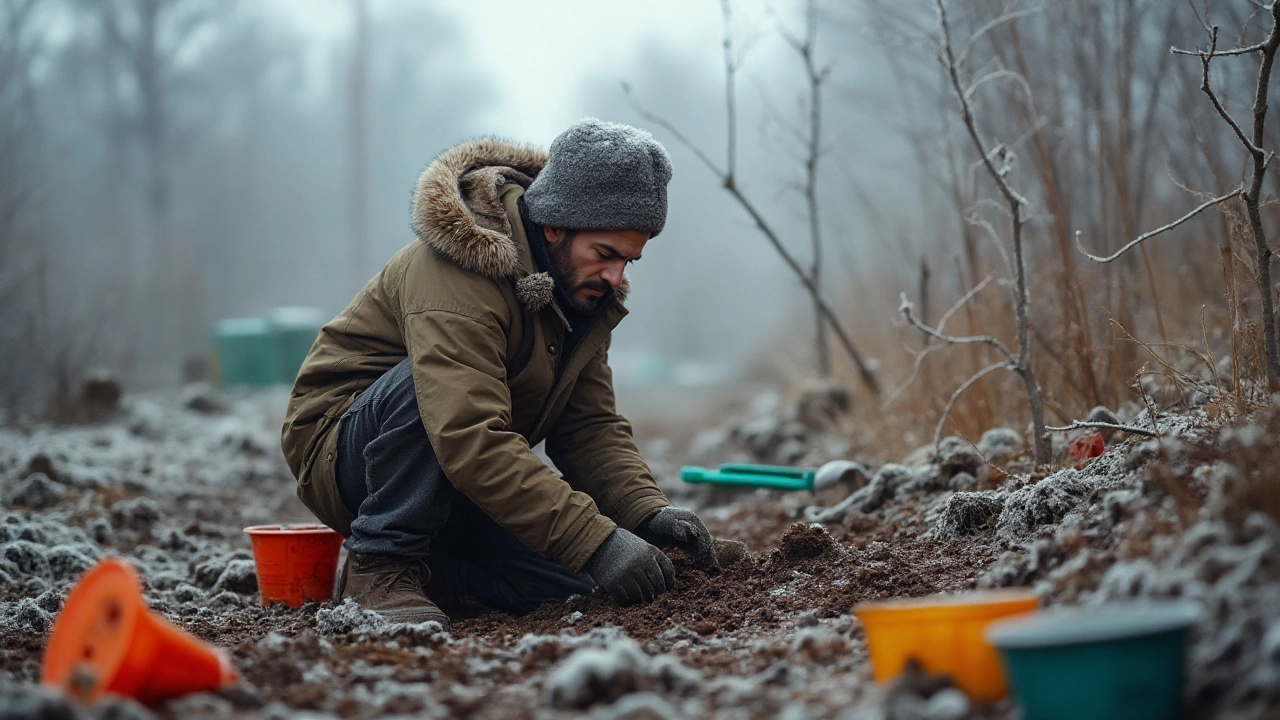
(358, 147)
(141, 42)
(998, 161)
(1250, 192)
(19, 183)
(811, 138)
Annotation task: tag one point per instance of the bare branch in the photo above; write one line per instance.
(963, 299)
(951, 402)
(1259, 47)
(920, 356)
(992, 25)
(1001, 74)
(1148, 235)
(1081, 425)
(908, 312)
(981, 222)
(1213, 97)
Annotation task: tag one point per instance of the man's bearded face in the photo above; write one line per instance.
(588, 263)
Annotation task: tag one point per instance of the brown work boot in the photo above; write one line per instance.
(390, 586)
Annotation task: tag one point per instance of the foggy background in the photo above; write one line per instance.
(168, 163)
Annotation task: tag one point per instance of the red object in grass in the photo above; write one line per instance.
(1086, 448)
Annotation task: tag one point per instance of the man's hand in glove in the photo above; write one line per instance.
(630, 569)
(668, 526)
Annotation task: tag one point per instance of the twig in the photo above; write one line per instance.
(924, 352)
(946, 411)
(1205, 58)
(992, 25)
(1146, 400)
(1158, 231)
(960, 303)
(908, 312)
(1082, 425)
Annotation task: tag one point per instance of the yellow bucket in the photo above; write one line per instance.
(944, 634)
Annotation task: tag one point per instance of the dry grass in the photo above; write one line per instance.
(1204, 314)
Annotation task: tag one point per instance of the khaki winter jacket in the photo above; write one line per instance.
(465, 303)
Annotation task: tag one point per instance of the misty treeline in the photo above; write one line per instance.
(166, 163)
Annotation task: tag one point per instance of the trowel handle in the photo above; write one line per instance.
(751, 476)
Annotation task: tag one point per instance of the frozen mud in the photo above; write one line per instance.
(169, 482)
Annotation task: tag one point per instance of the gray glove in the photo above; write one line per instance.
(669, 526)
(630, 569)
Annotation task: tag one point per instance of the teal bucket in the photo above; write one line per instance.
(246, 352)
(1110, 662)
(263, 351)
(295, 330)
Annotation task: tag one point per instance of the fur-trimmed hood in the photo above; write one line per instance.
(456, 212)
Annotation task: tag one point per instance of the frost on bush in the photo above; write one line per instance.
(1045, 502)
(593, 675)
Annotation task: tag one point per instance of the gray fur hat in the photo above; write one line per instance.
(602, 176)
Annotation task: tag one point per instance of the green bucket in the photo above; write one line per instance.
(246, 351)
(1121, 661)
(262, 351)
(295, 330)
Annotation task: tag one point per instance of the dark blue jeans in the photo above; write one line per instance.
(390, 479)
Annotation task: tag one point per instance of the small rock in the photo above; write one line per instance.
(729, 552)
(968, 513)
(138, 515)
(1000, 444)
(823, 402)
(806, 619)
(202, 398)
(956, 454)
(99, 397)
(36, 491)
(1101, 414)
(962, 482)
(239, 576)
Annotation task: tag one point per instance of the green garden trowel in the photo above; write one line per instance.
(771, 477)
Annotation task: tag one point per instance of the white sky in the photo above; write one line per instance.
(573, 41)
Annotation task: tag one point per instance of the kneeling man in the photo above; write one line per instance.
(411, 422)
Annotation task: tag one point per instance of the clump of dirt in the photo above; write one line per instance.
(805, 541)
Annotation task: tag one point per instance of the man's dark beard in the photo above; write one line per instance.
(566, 276)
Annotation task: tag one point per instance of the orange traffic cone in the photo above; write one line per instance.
(106, 640)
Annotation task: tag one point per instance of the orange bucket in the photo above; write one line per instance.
(944, 634)
(106, 640)
(295, 563)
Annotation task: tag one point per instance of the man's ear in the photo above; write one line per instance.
(553, 234)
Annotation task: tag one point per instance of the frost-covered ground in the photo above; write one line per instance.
(169, 482)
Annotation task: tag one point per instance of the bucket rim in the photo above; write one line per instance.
(978, 600)
(1082, 625)
(290, 529)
